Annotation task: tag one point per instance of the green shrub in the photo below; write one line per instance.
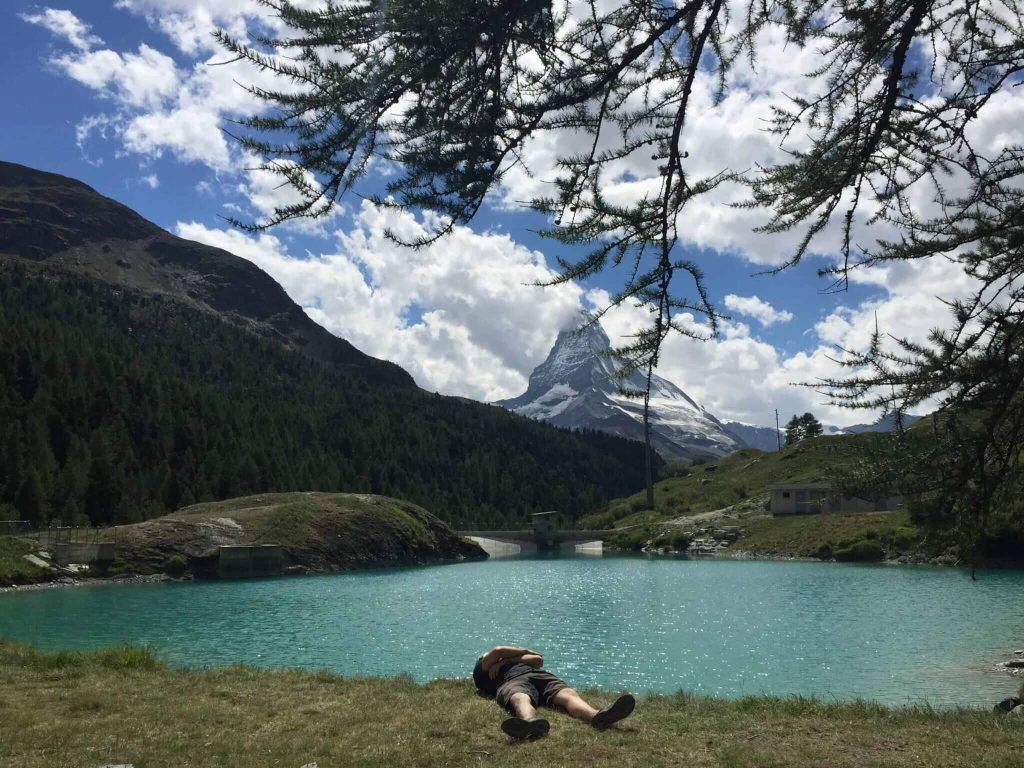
(824, 552)
(871, 534)
(602, 520)
(674, 504)
(678, 540)
(637, 505)
(633, 540)
(860, 552)
(905, 538)
(619, 508)
(674, 469)
(176, 565)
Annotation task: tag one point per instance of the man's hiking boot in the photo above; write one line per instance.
(518, 728)
(617, 710)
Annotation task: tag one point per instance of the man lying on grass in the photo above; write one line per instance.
(514, 678)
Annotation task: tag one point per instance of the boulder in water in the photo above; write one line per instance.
(1007, 705)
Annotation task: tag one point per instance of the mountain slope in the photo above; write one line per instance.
(118, 407)
(767, 439)
(884, 424)
(756, 436)
(574, 388)
(64, 225)
(140, 372)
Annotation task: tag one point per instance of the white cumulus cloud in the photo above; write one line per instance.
(463, 316)
(143, 79)
(757, 308)
(66, 25)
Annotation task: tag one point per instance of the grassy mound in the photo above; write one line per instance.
(826, 536)
(14, 568)
(321, 532)
(733, 492)
(738, 480)
(123, 706)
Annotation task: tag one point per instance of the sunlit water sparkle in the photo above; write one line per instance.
(722, 628)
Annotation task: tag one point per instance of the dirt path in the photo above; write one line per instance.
(745, 508)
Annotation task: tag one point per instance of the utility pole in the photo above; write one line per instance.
(778, 436)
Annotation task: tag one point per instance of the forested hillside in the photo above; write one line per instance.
(67, 226)
(117, 407)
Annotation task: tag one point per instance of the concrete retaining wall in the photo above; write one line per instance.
(583, 547)
(250, 560)
(83, 553)
(500, 547)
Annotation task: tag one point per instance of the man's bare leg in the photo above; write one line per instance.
(574, 705)
(522, 706)
(577, 707)
(524, 724)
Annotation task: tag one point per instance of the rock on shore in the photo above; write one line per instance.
(319, 533)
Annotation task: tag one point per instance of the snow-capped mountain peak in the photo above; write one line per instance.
(576, 387)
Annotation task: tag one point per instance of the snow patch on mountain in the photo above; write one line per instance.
(550, 404)
(575, 387)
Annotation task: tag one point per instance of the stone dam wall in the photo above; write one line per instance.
(246, 561)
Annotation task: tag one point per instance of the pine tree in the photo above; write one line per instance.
(451, 92)
(810, 425)
(794, 430)
(30, 500)
(800, 428)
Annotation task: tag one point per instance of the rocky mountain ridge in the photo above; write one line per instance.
(768, 439)
(576, 387)
(56, 223)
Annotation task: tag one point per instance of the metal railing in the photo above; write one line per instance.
(15, 527)
(49, 536)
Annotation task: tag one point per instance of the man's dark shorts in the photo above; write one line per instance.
(539, 685)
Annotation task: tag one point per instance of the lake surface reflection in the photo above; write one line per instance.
(722, 628)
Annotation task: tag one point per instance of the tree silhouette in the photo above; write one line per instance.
(450, 93)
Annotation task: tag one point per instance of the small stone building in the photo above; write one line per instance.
(815, 498)
(544, 522)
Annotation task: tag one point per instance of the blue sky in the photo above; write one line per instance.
(121, 96)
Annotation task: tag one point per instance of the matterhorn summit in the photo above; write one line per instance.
(574, 387)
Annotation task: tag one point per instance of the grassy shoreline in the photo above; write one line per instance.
(124, 706)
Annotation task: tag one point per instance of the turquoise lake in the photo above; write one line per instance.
(723, 628)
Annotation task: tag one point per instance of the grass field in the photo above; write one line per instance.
(740, 478)
(888, 534)
(736, 487)
(84, 710)
(809, 535)
(14, 568)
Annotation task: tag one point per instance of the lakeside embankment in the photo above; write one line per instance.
(733, 492)
(122, 706)
(317, 533)
(745, 531)
(178, 544)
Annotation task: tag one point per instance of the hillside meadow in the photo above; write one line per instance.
(122, 706)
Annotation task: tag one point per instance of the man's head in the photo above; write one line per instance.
(482, 680)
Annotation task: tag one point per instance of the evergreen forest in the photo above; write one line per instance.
(117, 407)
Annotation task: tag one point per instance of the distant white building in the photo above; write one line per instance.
(815, 498)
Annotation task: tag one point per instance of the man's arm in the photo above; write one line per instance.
(494, 658)
(535, 660)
